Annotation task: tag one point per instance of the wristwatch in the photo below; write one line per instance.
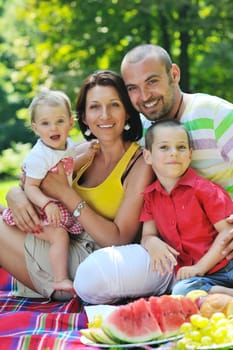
(77, 210)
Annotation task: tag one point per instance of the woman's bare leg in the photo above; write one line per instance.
(117, 272)
(12, 256)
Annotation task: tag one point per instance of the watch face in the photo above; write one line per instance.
(77, 211)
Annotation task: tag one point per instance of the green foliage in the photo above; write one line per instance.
(5, 186)
(11, 160)
(58, 43)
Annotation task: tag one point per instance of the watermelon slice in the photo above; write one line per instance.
(96, 335)
(189, 307)
(87, 333)
(169, 313)
(132, 323)
(100, 337)
(144, 320)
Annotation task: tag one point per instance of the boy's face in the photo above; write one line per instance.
(170, 155)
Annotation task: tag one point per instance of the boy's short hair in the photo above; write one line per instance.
(149, 136)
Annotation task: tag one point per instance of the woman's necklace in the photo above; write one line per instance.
(178, 109)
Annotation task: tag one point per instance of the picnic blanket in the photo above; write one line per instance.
(41, 324)
(31, 323)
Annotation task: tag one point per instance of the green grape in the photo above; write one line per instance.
(217, 316)
(199, 321)
(195, 335)
(220, 335)
(230, 333)
(195, 345)
(201, 331)
(222, 322)
(206, 330)
(182, 344)
(206, 340)
(203, 322)
(194, 319)
(186, 327)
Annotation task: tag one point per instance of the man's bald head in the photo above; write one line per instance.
(141, 52)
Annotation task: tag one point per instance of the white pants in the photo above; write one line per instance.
(112, 273)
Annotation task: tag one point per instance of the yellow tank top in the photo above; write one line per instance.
(106, 198)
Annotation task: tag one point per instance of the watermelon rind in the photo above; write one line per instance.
(143, 320)
(132, 323)
(101, 337)
(87, 333)
(122, 338)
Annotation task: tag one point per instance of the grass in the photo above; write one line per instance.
(5, 185)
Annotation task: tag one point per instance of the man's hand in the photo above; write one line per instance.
(227, 241)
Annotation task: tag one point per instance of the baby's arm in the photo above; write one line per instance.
(163, 256)
(211, 258)
(84, 152)
(37, 197)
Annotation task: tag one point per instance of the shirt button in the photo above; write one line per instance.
(173, 222)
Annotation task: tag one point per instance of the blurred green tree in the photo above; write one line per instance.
(57, 43)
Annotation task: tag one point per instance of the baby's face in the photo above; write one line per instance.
(52, 124)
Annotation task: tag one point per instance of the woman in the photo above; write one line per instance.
(106, 199)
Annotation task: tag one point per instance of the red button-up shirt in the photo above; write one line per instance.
(185, 217)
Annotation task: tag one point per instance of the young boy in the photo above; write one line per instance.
(183, 214)
(51, 119)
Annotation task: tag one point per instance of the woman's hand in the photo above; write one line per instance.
(24, 214)
(55, 184)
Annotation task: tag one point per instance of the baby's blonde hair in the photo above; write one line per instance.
(51, 98)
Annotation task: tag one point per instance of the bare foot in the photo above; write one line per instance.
(65, 285)
(220, 289)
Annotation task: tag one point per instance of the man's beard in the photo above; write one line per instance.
(167, 106)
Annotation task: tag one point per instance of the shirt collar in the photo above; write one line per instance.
(188, 179)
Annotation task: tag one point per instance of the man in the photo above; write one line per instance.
(152, 81)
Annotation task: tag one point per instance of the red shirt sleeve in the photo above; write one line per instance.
(215, 201)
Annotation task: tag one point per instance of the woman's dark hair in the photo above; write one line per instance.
(109, 78)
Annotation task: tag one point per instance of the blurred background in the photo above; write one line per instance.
(57, 43)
